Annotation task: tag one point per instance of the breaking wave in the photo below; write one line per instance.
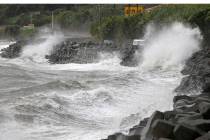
(169, 46)
(90, 101)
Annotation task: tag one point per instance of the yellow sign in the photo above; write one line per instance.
(133, 10)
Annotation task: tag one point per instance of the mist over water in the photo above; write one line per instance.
(37, 51)
(170, 46)
(40, 101)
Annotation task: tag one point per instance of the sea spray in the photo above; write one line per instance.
(37, 51)
(170, 46)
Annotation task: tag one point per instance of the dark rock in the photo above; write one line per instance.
(192, 83)
(119, 136)
(164, 139)
(181, 97)
(13, 51)
(135, 130)
(129, 58)
(182, 132)
(204, 137)
(198, 70)
(185, 106)
(189, 117)
(113, 137)
(199, 123)
(146, 133)
(134, 137)
(204, 109)
(170, 115)
(143, 122)
(162, 128)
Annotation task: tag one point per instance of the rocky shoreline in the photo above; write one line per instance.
(79, 51)
(189, 120)
(190, 117)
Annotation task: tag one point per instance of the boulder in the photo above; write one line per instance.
(143, 122)
(113, 137)
(185, 107)
(134, 137)
(146, 132)
(120, 136)
(135, 130)
(162, 128)
(189, 117)
(191, 83)
(181, 97)
(164, 139)
(204, 137)
(169, 115)
(183, 132)
(204, 109)
(199, 123)
(14, 50)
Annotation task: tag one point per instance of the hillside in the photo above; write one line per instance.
(121, 27)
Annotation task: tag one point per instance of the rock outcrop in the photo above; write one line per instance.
(182, 123)
(81, 52)
(13, 50)
(190, 117)
(197, 71)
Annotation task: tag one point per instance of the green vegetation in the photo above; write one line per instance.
(103, 21)
(27, 32)
(132, 26)
(67, 16)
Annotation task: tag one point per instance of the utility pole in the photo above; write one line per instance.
(52, 23)
(99, 15)
(31, 18)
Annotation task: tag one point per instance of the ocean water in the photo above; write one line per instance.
(41, 101)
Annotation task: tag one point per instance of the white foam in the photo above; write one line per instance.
(170, 46)
(37, 52)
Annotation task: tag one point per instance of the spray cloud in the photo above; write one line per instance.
(170, 46)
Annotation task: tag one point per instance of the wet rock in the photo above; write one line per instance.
(170, 115)
(129, 58)
(192, 117)
(198, 70)
(143, 122)
(134, 137)
(182, 132)
(192, 83)
(204, 109)
(199, 123)
(113, 137)
(181, 97)
(146, 133)
(137, 130)
(162, 128)
(184, 106)
(119, 136)
(204, 137)
(164, 139)
(13, 51)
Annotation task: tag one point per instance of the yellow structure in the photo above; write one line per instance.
(131, 10)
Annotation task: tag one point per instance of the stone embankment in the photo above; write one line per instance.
(190, 117)
(71, 51)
